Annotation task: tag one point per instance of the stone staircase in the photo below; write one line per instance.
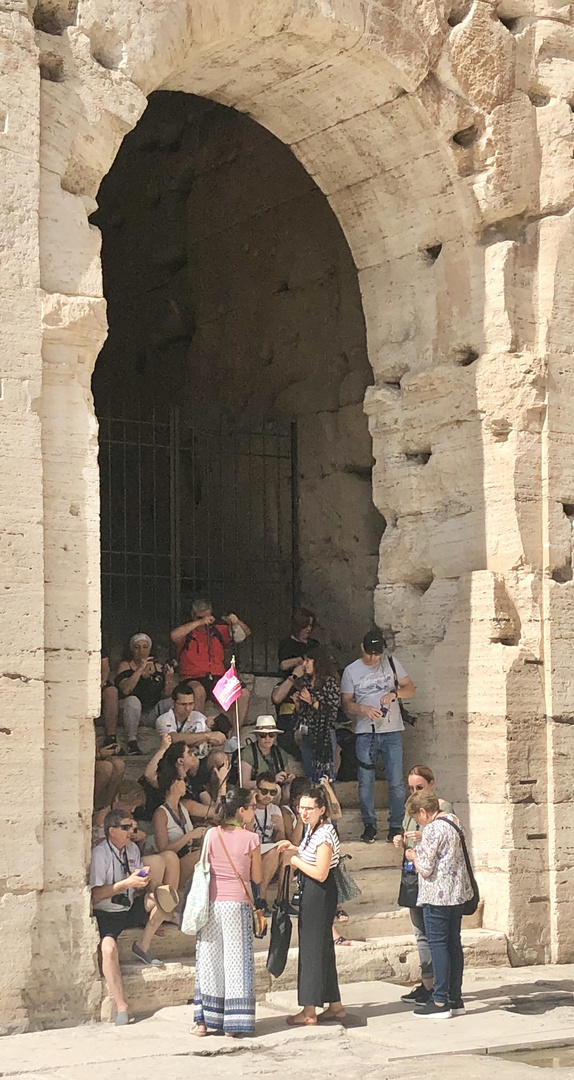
(383, 945)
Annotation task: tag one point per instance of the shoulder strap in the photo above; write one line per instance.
(216, 632)
(464, 850)
(178, 821)
(233, 867)
(394, 670)
(278, 757)
(204, 857)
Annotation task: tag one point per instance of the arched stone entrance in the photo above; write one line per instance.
(415, 121)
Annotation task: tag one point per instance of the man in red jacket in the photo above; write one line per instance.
(201, 646)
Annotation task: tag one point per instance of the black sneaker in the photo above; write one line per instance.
(133, 748)
(392, 833)
(369, 834)
(432, 1011)
(419, 996)
(457, 1007)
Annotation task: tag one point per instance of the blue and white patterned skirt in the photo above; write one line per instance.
(225, 969)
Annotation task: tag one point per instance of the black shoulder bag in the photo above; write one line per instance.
(469, 906)
(407, 717)
(281, 927)
(409, 887)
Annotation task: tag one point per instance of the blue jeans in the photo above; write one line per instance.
(442, 925)
(390, 746)
(307, 758)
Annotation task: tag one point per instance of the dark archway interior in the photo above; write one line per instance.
(235, 456)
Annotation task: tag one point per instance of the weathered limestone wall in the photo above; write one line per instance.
(442, 138)
(222, 261)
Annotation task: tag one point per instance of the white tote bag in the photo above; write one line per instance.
(196, 910)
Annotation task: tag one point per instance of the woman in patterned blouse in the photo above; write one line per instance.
(317, 705)
(444, 886)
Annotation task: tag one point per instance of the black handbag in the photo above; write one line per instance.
(347, 888)
(281, 927)
(407, 717)
(469, 907)
(409, 887)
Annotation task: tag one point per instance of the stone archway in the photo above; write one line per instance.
(415, 121)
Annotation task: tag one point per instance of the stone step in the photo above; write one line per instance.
(348, 794)
(368, 918)
(394, 959)
(171, 946)
(363, 856)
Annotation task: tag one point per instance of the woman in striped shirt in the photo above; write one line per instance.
(317, 855)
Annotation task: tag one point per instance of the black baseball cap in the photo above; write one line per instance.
(373, 642)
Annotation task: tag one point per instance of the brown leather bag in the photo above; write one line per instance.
(259, 920)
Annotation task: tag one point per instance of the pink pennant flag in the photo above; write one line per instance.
(227, 689)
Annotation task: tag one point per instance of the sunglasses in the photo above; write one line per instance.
(127, 828)
(267, 791)
(416, 787)
(268, 735)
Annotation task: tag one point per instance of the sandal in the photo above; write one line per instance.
(342, 941)
(305, 1021)
(199, 1030)
(341, 916)
(330, 1017)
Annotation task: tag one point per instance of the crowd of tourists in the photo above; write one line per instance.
(267, 812)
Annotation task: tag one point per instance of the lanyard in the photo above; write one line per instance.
(122, 861)
(261, 829)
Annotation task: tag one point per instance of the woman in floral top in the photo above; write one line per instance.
(317, 704)
(444, 886)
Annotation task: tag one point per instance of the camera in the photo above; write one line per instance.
(122, 900)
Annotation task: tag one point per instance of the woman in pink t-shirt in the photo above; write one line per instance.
(224, 967)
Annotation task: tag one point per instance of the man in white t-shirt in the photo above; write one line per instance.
(268, 825)
(185, 724)
(369, 694)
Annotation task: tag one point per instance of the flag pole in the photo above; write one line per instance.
(237, 729)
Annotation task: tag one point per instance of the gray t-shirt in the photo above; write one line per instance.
(367, 685)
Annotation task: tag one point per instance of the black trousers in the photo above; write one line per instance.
(317, 977)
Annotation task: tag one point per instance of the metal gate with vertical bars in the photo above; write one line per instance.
(209, 512)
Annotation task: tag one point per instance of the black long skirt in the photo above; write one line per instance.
(317, 977)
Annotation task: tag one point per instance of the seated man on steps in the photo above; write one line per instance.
(262, 755)
(185, 724)
(268, 824)
(118, 881)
